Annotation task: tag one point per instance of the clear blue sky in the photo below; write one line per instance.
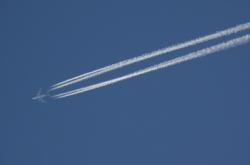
(196, 112)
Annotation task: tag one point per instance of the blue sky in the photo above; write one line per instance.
(196, 112)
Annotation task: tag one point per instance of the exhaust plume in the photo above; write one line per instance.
(219, 47)
(150, 55)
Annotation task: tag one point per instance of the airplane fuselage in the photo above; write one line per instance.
(38, 97)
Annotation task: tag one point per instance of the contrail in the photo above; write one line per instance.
(150, 55)
(219, 47)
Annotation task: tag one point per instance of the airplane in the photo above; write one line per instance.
(40, 96)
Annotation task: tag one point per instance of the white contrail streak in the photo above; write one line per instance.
(190, 56)
(150, 55)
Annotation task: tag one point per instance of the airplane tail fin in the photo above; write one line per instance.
(47, 94)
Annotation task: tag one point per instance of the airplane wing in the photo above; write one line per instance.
(39, 91)
(42, 100)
